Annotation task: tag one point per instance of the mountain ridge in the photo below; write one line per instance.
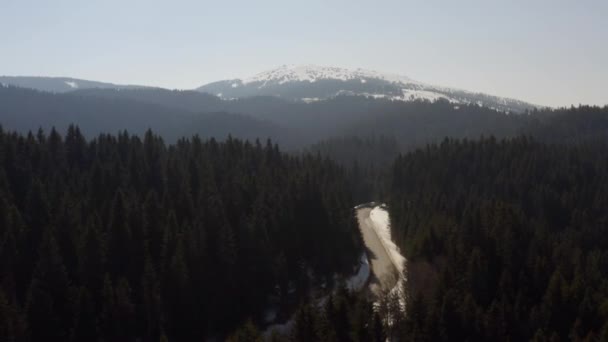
(310, 83)
(61, 84)
(303, 83)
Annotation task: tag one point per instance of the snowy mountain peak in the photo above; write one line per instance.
(311, 83)
(313, 73)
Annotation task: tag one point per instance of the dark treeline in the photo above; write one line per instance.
(570, 125)
(511, 235)
(121, 237)
(415, 124)
(380, 151)
(367, 161)
(370, 157)
(343, 316)
(505, 240)
(295, 125)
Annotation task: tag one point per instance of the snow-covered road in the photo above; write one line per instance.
(386, 261)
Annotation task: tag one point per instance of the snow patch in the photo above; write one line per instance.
(72, 84)
(282, 329)
(234, 85)
(382, 226)
(354, 283)
(415, 94)
(357, 281)
(270, 314)
(375, 96)
(381, 221)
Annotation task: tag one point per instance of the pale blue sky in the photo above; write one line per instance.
(550, 52)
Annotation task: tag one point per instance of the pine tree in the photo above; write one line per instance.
(85, 318)
(75, 147)
(13, 326)
(119, 237)
(305, 326)
(246, 333)
(93, 260)
(177, 288)
(48, 303)
(150, 302)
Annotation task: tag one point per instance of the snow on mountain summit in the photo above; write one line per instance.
(312, 73)
(310, 83)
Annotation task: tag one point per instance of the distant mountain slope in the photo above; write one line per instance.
(291, 123)
(58, 84)
(310, 83)
(307, 83)
(419, 123)
(571, 125)
(411, 123)
(25, 109)
(189, 100)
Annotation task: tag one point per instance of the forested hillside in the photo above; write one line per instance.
(570, 125)
(121, 238)
(380, 151)
(295, 125)
(412, 124)
(418, 123)
(317, 171)
(366, 159)
(124, 237)
(513, 236)
(59, 84)
(24, 110)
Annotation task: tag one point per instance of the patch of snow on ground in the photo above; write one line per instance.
(279, 328)
(357, 281)
(234, 85)
(382, 227)
(414, 94)
(270, 314)
(354, 283)
(375, 96)
(72, 84)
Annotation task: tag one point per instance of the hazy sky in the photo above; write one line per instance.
(549, 52)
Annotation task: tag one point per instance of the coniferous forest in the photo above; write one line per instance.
(511, 235)
(505, 240)
(125, 237)
(121, 238)
(318, 171)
